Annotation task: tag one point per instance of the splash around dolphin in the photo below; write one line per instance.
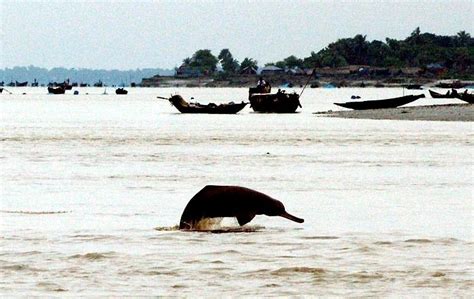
(231, 201)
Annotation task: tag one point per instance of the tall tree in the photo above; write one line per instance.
(248, 62)
(463, 38)
(204, 61)
(229, 64)
(186, 61)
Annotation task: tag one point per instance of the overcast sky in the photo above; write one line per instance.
(139, 34)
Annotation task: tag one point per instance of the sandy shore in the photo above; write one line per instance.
(450, 112)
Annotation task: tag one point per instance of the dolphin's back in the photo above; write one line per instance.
(222, 201)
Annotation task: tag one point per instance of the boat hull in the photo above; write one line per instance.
(121, 91)
(56, 90)
(218, 109)
(184, 107)
(437, 95)
(381, 104)
(274, 103)
(466, 97)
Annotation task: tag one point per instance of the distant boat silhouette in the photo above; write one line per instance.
(121, 91)
(56, 90)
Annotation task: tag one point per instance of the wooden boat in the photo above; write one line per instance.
(413, 86)
(466, 97)
(261, 100)
(56, 90)
(121, 91)
(454, 84)
(381, 104)
(448, 95)
(65, 85)
(1, 90)
(185, 107)
(21, 84)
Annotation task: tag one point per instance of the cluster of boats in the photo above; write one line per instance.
(262, 100)
(16, 83)
(451, 94)
(61, 89)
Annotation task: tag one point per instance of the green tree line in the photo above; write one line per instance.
(417, 50)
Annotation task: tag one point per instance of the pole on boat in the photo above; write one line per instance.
(309, 78)
(7, 90)
(163, 98)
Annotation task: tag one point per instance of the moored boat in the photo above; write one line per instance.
(414, 86)
(466, 97)
(448, 95)
(184, 107)
(56, 90)
(21, 84)
(381, 104)
(121, 91)
(65, 85)
(261, 100)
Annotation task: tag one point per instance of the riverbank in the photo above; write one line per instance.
(449, 112)
(289, 80)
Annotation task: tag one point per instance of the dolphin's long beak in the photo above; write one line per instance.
(291, 217)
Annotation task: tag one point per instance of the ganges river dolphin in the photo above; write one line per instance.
(231, 201)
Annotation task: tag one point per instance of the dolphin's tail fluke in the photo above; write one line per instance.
(291, 217)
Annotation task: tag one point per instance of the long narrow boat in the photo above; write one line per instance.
(466, 97)
(184, 107)
(21, 84)
(56, 90)
(381, 104)
(414, 86)
(448, 95)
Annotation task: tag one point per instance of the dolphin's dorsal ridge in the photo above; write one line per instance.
(245, 218)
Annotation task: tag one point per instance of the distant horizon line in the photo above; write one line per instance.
(85, 68)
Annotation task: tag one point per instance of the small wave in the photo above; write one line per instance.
(319, 238)
(167, 228)
(51, 286)
(271, 285)
(383, 243)
(230, 251)
(420, 241)
(35, 213)
(87, 237)
(91, 256)
(448, 241)
(291, 270)
(178, 286)
(438, 274)
(365, 249)
(28, 253)
(158, 273)
(363, 277)
(213, 225)
(243, 229)
(21, 267)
